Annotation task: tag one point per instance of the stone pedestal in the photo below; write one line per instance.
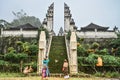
(73, 54)
(42, 51)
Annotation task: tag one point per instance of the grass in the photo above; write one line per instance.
(20, 76)
(51, 78)
(8, 74)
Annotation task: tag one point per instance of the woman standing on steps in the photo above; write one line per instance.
(65, 69)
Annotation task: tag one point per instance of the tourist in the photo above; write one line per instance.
(26, 70)
(45, 63)
(30, 69)
(65, 69)
(44, 75)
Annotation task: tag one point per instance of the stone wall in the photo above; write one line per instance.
(101, 34)
(25, 33)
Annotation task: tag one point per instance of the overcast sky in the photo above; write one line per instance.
(101, 12)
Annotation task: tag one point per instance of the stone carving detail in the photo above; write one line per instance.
(61, 33)
(69, 24)
(48, 21)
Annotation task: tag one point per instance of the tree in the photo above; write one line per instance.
(92, 60)
(22, 18)
(33, 49)
(81, 51)
(115, 43)
(21, 57)
(4, 24)
(43, 29)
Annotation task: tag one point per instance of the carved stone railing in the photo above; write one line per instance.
(67, 48)
(48, 45)
(71, 47)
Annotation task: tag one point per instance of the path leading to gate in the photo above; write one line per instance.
(57, 54)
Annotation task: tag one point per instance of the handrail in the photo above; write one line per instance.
(49, 45)
(68, 50)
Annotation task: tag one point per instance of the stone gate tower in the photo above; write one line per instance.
(48, 21)
(69, 24)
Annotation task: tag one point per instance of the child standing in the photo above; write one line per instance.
(44, 75)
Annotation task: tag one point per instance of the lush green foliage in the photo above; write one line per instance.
(17, 52)
(108, 74)
(115, 43)
(108, 51)
(33, 49)
(103, 51)
(92, 59)
(12, 57)
(21, 56)
(11, 50)
(68, 35)
(43, 29)
(95, 45)
(111, 60)
(57, 54)
(2, 62)
(81, 51)
(21, 19)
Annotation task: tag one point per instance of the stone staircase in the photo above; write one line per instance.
(57, 54)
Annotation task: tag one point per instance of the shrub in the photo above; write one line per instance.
(118, 51)
(12, 57)
(81, 51)
(80, 61)
(11, 50)
(26, 47)
(2, 62)
(90, 51)
(80, 40)
(98, 74)
(92, 59)
(95, 45)
(33, 49)
(104, 51)
(112, 74)
(108, 75)
(19, 42)
(109, 60)
(21, 56)
(115, 74)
